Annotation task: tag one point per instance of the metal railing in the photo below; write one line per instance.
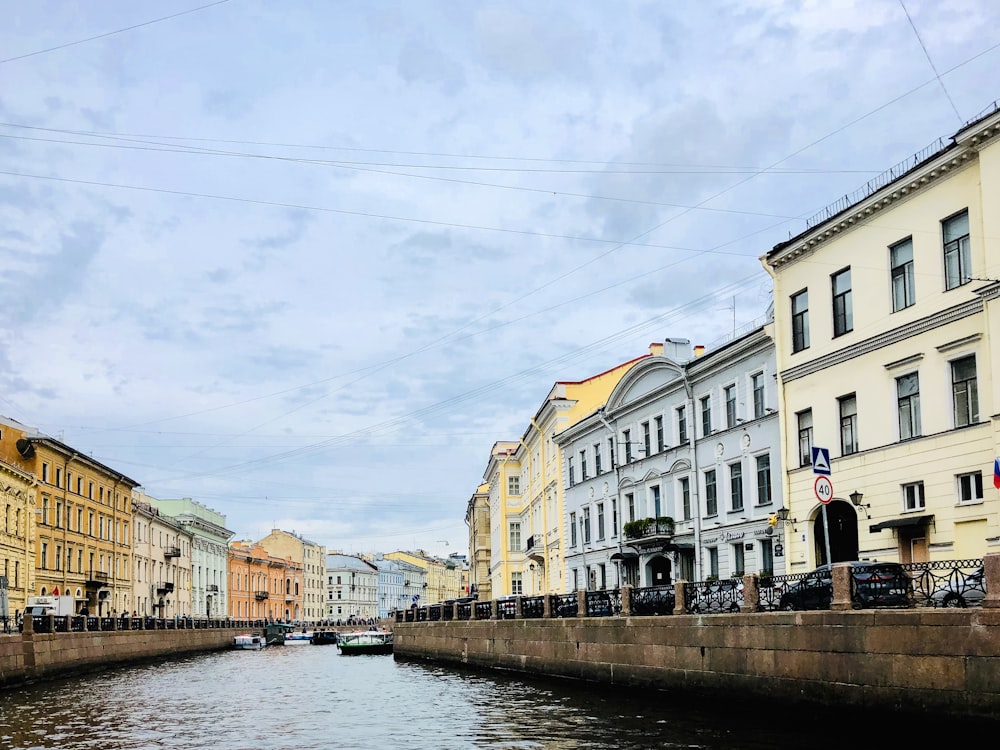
(947, 583)
(464, 611)
(880, 585)
(652, 600)
(713, 597)
(564, 605)
(603, 603)
(506, 609)
(484, 610)
(533, 607)
(781, 592)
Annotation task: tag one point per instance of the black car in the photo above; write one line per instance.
(875, 584)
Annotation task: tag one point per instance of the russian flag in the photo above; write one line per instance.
(996, 473)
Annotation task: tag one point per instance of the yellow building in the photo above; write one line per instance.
(886, 310)
(525, 478)
(312, 558)
(444, 577)
(83, 521)
(477, 518)
(17, 537)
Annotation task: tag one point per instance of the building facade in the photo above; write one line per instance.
(310, 556)
(690, 443)
(17, 538)
(477, 518)
(161, 562)
(887, 312)
(209, 553)
(262, 585)
(351, 588)
(390, 593)
(83, 530)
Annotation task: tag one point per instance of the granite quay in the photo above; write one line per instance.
(857, 650)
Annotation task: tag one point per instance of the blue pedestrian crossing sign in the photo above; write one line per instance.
(821, 461)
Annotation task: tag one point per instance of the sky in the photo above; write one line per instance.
(305, 262)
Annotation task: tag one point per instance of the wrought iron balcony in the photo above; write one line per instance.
(171, 551)
(648, 534)
(261, 595)
(212, 587)
(97, 578)
(164, 587)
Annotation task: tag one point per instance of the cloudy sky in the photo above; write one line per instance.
(306, 261)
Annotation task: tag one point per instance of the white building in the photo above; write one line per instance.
(391, 594)
(351, 588)
(209, 553)
(693, 442)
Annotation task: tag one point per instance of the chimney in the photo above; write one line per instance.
(699, 349)
(656, 349)
(679, 350)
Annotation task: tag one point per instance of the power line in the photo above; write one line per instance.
(112, 33)
(929, 60)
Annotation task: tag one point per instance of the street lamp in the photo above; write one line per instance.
(856, 502)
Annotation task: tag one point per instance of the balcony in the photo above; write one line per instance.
(212, 588)
(535, 553)
(650, 534)
(261, 595)
(97, 578)
(171, 552)
(164, 587)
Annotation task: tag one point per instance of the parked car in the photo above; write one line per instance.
(961, 590)
(877, 584)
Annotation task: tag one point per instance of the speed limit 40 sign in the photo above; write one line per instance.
(823, 488)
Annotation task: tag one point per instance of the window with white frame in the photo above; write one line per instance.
(711, 496)
(805, 426)
(646, 439)
(572, 529)
(517, 583)
(913, 496)
(515, 536)
(614, 517)
(848, 424)
(571, 470)
(800, 321)
(965, 391)
(713, 562)
(843, 311)
(600, 521)
(654, 496)
(738, 563)
(514, 485)
(685, 493)
(908, 405)
(729, 395)
(627, 440)
(957, 251)
(757, 384)
(583, 465)
(585, 521)
(970, 487)
(660, 444)
(901, 264)
(764, 495)
(597, 459)
(682, 430)
(706, 415)
(630, 504)
(736, 486)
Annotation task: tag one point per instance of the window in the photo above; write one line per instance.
(597, 458)
(757, 383)
(586, 525)
(571, 470)
(965, 391)
(736, 485)
(848, 425)
(611, 451)
(738, 562)
(908, 406)
(514, 485)
(901, 263)
(79, 485)
(713, 561)
(515, 536)
(630, 502)
(913, 496)
(805, 420)
(706, 416)
(655, 496)
(685, 498)
(600, 521)
(843, 316)
(614, 517)
(646, 443)
(957, 255)
(970, 487)
(572, 529)
(516, 584)
(45, 555)
(729, 393)
(627, 440)
(660, 445)
(711, 498)
(583, 465)
(59, 482)
(764, 480)
(45, 511)
(766, 556)
(800, 321)
(45, 473)
(58, 557)
(682, 430)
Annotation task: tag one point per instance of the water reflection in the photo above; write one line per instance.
(310, 697)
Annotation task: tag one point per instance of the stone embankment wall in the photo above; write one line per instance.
(944, 661)
(30, 656)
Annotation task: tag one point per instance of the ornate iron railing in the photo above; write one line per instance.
(603, 603)
(947, 583)
(434, 613)
(506, 609)
(564, 605)
(780, 592)
(713, 597)
(422, 614)
(880, 585)
(411, 615)
(464, 611)
(533, 607)
(653, 600)
(448, 611)
(484, 610)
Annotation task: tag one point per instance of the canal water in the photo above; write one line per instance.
(310, 697)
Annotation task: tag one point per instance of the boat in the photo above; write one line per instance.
(248, 642)
(365, 642)
(274, 633)
(324, 637)
(298, 638)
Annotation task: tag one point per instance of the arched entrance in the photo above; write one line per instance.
(843, 532)
(658, 571)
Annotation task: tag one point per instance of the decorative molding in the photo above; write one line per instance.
(905, 361)
(882, 340)
(957, 343)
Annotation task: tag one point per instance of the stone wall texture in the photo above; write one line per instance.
(26, 657)
(945, 660)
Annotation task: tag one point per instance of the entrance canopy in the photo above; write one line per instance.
(908, 522)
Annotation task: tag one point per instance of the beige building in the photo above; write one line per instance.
(887, 317)
(17, 538)
(311, 556)
(161, 561)
(443, 577)
(477, 518)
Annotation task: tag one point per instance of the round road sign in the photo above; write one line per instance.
(823, 489)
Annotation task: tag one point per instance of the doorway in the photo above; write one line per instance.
(659, 571)
(843, 532)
